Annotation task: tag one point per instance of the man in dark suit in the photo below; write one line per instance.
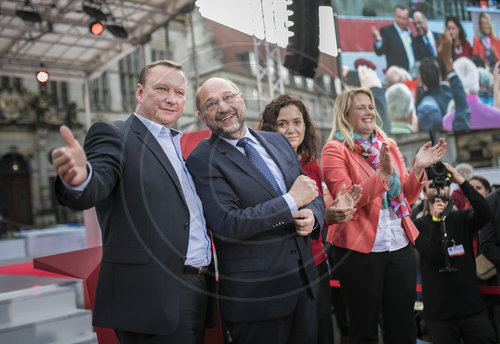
(427, 42)
(261, 209)
(395, 41)
(152, 282)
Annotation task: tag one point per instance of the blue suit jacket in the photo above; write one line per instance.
(420, 47)
(255, 239)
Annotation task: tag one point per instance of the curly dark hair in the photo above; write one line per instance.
(267, 122)
(461, 32)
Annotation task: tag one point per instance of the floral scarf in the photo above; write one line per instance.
(370, 150)
(487, 44)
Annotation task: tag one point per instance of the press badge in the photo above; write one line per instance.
(456, 250)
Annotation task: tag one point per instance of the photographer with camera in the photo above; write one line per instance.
(453, 308)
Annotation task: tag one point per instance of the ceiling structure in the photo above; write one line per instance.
(62, 43)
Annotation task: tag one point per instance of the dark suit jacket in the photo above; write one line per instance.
(255, 237)
(145, 226)
(420, 47)
(392, 47)
(489, 236)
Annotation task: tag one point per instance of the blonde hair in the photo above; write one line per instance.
(490, 24)
(341, 110)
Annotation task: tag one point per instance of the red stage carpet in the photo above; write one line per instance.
(26, 269)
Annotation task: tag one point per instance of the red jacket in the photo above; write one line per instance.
(341, 165)
(478, 48)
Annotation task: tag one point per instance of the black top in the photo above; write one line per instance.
(489, 236)
(450, 295)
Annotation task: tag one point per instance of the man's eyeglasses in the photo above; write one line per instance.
(213, 105)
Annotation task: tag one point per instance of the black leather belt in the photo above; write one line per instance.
(191, 270)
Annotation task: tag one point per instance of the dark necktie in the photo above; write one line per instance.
(259, 162)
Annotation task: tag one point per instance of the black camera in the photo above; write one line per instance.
(439, 175)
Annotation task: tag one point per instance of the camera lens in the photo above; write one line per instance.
(439, 169)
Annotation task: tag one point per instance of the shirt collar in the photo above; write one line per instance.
(157, 129)
(400, 31)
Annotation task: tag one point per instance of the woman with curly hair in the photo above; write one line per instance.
(288, 115)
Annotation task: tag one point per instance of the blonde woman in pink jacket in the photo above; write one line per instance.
(373, 251)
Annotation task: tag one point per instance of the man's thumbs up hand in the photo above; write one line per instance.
(70, 161)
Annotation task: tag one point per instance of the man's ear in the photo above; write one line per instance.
(200, 115)
(138, 92)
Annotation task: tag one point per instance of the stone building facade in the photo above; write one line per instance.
(30, 113)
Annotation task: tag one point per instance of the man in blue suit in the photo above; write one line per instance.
(261, 209)
(395, 40)
(427, 42)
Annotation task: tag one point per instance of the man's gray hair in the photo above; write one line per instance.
(468, 74)
(485, 78)
(400, 102)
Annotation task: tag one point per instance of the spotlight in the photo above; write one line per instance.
(93, 9)
(96, 27)
(28, 13)
(117, 30)
(42, 76)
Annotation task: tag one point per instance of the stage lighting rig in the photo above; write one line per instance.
(28, 13)
(93, 9)
(116, 29)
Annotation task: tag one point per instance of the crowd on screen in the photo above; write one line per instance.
(441, 81)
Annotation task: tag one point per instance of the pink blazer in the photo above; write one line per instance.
(478, 47)
(341, 165)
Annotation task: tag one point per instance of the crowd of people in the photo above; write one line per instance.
(242, 223)
(454, 85)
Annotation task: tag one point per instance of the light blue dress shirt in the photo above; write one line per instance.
(199, 251)
(406, 37)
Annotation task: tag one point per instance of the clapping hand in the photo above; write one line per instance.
(368, 77)
(385, 169)
(342, 208)
(445, 45)
(428, 155)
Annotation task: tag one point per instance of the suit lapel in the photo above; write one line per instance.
(240, 160)
(361, 162)
(144, 135)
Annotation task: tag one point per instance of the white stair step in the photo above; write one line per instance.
(61, 328)
(88, 338)
(32, 304)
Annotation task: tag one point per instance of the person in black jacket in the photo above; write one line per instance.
(426, 43)
(489, 243)
(453, 308)
(489, 236)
